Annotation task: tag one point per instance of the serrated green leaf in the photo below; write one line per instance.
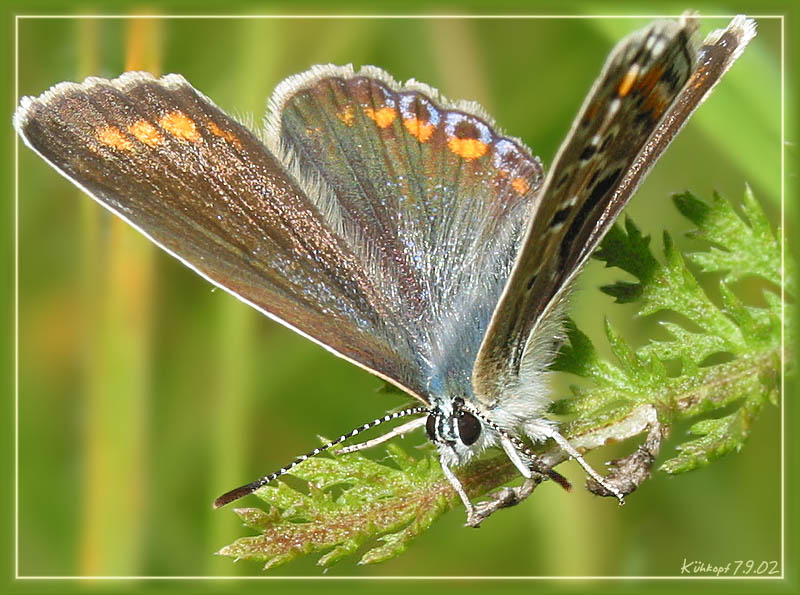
(740, 247)
(578, 356)
(718, 437)
(352, 503)
(255, 518)
(375, 499)
(640, 371)
(628, 250)
(688, 347)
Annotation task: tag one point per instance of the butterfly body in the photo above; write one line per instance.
(401, 231)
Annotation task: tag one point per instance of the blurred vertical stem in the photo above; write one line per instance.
(233, 394)
(91, 300)
(453, 42)
(118, 271)
(229, 407)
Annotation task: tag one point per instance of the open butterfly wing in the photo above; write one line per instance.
(204, 188)
(383, 224)
(431, 199)
(651, 83)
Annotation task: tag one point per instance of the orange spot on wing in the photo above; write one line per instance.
(146, 133)
(520, 185)
(656, 105)
(382, 117)
(627, 83)
(113, 137)
(224, 134)
(645, 84)
(180, 126)
(655, 101)
(346, 115)
(467, 148)
(419, 129)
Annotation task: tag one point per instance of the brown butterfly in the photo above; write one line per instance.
(399, 230)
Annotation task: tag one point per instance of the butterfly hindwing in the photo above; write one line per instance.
(428, 194)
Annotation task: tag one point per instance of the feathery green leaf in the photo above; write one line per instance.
(352, 503)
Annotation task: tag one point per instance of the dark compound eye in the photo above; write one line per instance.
(469, 428)
(430, 427)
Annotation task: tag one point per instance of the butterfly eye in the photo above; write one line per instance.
(469, 428)
(430, 427)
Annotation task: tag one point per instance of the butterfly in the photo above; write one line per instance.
(401, 231)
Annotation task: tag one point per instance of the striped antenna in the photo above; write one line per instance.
(245, 490)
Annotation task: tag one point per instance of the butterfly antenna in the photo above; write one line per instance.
(249, 488)
(538, 464)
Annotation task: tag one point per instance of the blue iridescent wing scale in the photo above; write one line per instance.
(426, 191)
(390, 271)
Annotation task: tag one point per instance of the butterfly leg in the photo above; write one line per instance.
(400, 430)
(505, 497)
(572, 452)
(513, 454)
(451, 477)
(629, 472)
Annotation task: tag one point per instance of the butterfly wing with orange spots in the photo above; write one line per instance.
(431, 198)
(652, 82)
(204, 188)
(381, 224)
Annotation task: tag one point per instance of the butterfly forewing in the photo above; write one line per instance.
(651, 83)
(717, 54)
(430, 196)
(204, 188)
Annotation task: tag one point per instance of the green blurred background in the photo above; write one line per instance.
(144, 393)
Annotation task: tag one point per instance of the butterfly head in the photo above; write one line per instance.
(453, 423)
(459, 430)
